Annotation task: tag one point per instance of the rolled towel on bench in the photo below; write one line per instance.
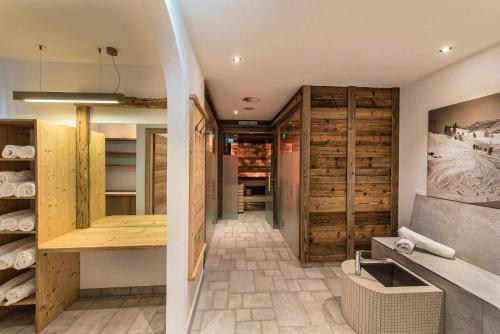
(10, 151)
(20, 292)
(6, 176)
(16, 281)
(26, 189)
(8, 260)
(405, 246)
(25, 258)
(425, 243)
(11, 221)
(26, 152)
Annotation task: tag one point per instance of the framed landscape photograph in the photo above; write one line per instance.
(463, 152)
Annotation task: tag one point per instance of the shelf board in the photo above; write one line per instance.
(121, 139)
(120, 153)
(17, 159)
(115, 165)
(13, 197)
(17, 232)
(27, 301)
(121, 193)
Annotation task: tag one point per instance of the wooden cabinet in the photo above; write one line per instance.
(348, 168)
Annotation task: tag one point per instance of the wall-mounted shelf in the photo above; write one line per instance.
(121, 139)
(17, 159)
(120, 153)
(121, 193)
(27, 301)
(16, 198)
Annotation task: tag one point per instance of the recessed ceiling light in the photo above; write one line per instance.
(446, 49)
(248, 108)
(237, 59)
(252, 99)
(235, 112)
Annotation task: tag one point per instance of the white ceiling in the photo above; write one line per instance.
(72, 30)
(287, 43)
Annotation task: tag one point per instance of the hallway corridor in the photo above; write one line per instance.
(253, 284)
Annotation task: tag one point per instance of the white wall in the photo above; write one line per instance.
(476, 76)
(184, 78)
(98, 269)
(142, 81)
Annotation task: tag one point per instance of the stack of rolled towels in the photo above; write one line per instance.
(19, 254)
(18, 184)
(22, 220)
(409, 239)
(16, 151)
(18, 288)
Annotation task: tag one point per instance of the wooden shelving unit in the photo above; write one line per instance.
(57, 275)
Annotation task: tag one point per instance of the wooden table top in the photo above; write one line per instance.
(113, 233)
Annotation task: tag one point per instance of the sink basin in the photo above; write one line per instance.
(391, 275)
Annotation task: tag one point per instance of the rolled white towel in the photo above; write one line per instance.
(9, 189)
(26, 189)
(16, 281)
(10, 151)
(11, 221)
(425, 243)
(28, 223)
(7, 248)
(26, 152)
(405, 246)
(25, 258)
(20, 292)
(8, 260)
(6, 176)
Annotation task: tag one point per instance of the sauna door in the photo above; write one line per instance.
(288, 182)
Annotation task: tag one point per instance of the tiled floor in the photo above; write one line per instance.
(253, 284)
(103, 315)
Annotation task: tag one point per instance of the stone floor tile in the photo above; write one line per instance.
(263, 314)
(218, 322)
(270, 327)
(289, 309)
(312, 284)
(220, 299)
(241, 281)
(248, 327)
(257, 300)
(235, 301)
(243, 314)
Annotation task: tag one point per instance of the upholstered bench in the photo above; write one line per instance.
(471, 281)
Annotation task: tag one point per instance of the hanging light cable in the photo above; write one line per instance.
(100, 70)
(40, 49)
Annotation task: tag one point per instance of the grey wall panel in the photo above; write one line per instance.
(230, 187)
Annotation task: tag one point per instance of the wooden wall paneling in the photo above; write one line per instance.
(120, 204)
(351, 170)
(97, 176)
(57, 275)
(395, 162)
(305, 167)
(156, 178)
(374, 138)
(196, 190)
(328, 187)
(83, 165)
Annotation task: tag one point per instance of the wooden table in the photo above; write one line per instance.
(113, 233)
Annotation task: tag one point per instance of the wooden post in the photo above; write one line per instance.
(305, 152)
(351, 169)
(82, 166)
(395, 161)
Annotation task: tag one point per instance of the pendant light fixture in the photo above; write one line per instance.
(70, 97)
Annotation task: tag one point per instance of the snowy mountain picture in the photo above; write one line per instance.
(463, 156)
